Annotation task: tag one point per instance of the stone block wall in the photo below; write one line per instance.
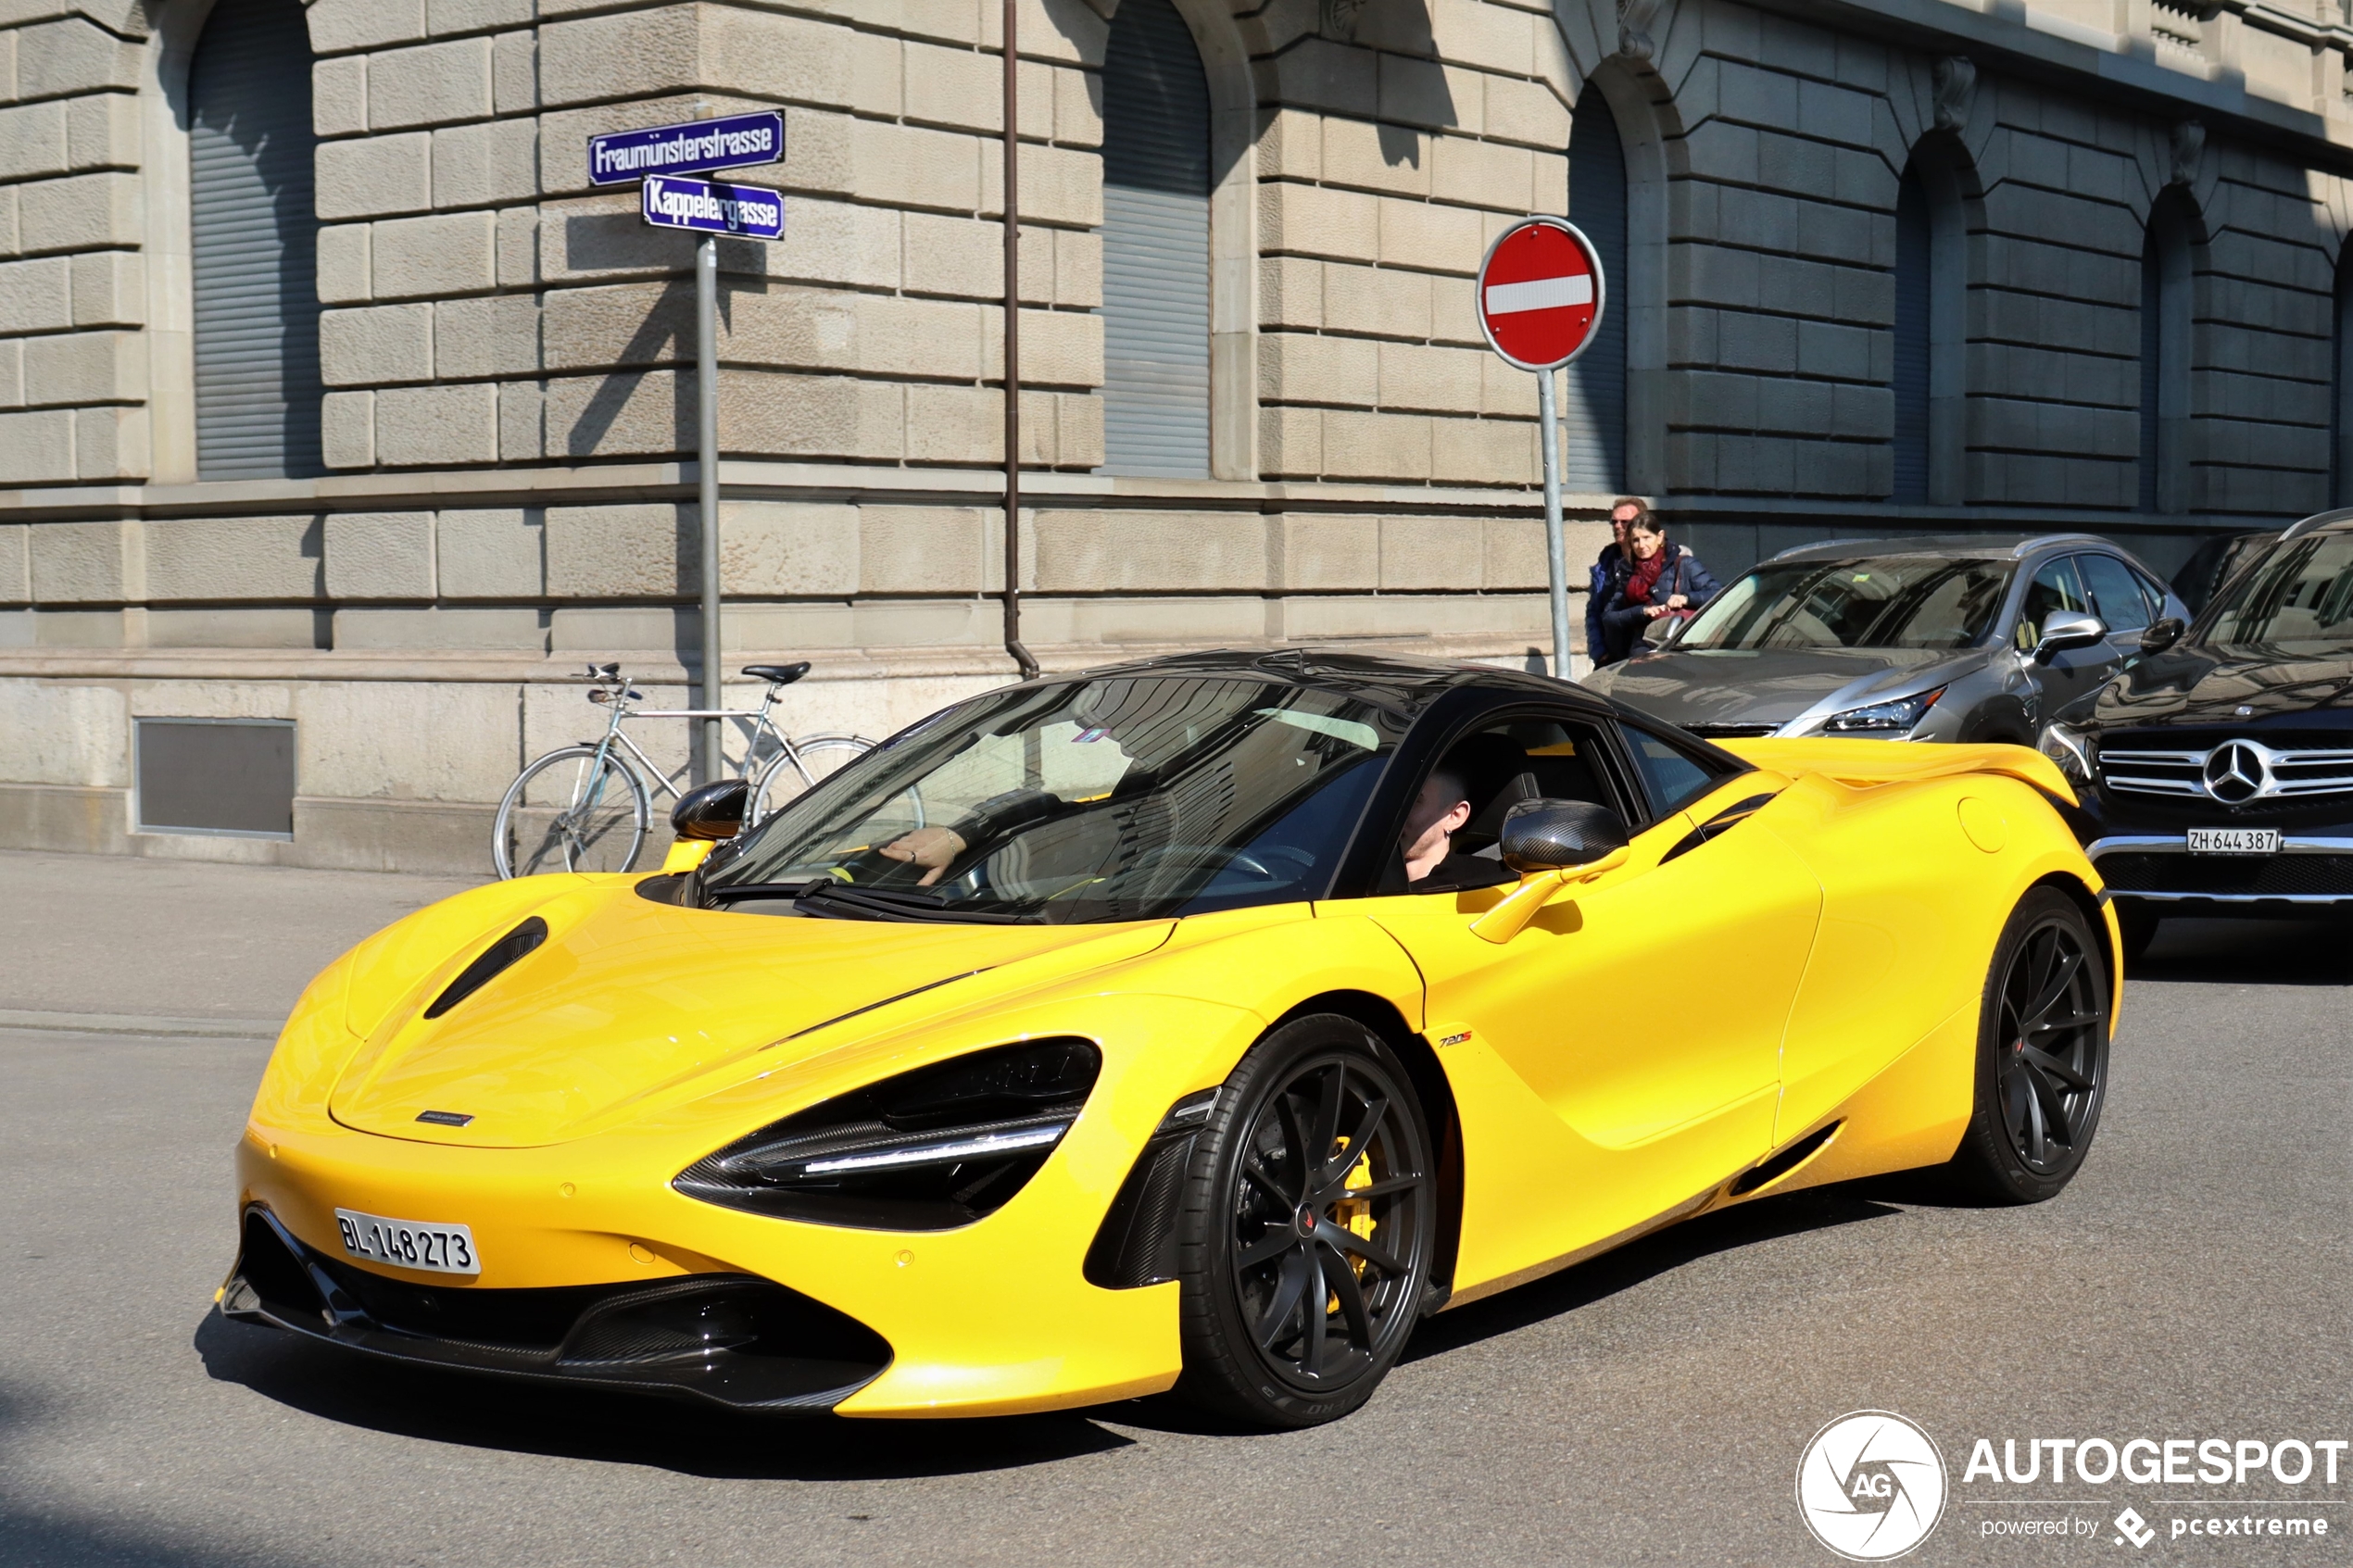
(507, 350)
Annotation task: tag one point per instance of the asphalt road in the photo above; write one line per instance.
(1648, 1407)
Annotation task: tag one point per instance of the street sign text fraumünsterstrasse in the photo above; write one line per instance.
(619, 157)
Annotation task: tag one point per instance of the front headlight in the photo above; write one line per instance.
(927, 1151)
(2070, 749)
(1897, 718)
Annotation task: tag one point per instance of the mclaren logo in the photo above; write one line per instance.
(1870, 1486)
(2236, 772)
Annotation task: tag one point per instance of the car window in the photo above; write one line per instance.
(1114, 798)
(1493, 769)
(1862, 602)
(2298, 598)
(2054, 589)
(1672, 774)
(2116, 593)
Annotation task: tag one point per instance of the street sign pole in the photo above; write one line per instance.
(1555, 547)
(707, 497)
(1540, 295)
(664, 158)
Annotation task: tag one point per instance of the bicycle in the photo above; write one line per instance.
(584, 805)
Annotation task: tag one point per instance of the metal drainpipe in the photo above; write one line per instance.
(1022, 655)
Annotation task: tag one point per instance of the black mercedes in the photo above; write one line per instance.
(2217, 768)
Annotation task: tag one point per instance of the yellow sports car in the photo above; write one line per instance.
(1200, 1023)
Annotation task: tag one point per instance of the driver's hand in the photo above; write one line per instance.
(1652, 612)
(1677, 601)
(935, 849)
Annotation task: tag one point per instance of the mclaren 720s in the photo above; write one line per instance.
(1198, 1025)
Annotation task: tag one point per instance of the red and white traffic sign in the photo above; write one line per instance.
(1541, 293)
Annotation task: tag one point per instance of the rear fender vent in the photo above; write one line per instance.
(499, 955)
(1781, 1164)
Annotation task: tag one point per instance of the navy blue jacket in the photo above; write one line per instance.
(1623, 621)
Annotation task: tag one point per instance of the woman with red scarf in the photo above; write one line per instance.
(1665, 583)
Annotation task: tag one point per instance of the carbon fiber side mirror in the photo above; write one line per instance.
(1549, 836)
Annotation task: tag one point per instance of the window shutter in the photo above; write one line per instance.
(1593, 401)
(255, 232)
(1155, 246)
(1912, 264)
(2152, 356)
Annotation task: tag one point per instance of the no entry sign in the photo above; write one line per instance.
(1541, 293)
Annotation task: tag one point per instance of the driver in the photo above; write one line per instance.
(1457, 789)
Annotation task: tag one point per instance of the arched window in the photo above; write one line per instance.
(2341, 387)
(1930, 333)
(253, 230)
(1593, 398)
(1155, 246)
(2165, 354)
(1913, 252)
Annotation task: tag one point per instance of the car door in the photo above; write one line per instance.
(1620, 1056)
(2058, 589)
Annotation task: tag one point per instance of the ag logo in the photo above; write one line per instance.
(1870, 1486)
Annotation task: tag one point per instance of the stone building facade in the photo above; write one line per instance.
(1910, 265)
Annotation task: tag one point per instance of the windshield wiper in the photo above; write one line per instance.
(838, 901)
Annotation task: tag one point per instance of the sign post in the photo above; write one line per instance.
(1541, 294)
(662, 156)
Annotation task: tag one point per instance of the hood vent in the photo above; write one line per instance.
(499, 955)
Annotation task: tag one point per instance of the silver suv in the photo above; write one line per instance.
(1955, 639)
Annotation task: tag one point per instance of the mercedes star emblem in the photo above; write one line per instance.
(2234, 772)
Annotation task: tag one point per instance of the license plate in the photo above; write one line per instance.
(2234, 841)
(409, 1244)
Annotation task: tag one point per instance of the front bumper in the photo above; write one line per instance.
(731, 1339)
(2310, 871)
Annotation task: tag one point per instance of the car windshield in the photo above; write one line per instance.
(1130, 798)
(1867, 602)
(2298, 599)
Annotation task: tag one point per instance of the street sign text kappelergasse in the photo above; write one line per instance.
(620, 156)
(672, 203)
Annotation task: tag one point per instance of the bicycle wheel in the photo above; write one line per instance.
(571, 810)
(821, 757)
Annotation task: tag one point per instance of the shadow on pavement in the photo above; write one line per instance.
(1768, 1219)
(2246, 952)
(442, 1407)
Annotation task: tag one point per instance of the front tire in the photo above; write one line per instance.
(1307, 1228)
(2042, 1054)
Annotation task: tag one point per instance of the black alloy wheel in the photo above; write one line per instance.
(2041, 1067)
(1306, 1233)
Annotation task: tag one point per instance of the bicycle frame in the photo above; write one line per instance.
(763, 724)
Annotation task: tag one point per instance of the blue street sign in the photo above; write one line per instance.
(672, 203)
(620, 156)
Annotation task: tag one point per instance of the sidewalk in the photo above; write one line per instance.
(123, 943)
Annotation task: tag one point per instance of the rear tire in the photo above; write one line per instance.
(1306, 1230)
(2042, 1055)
